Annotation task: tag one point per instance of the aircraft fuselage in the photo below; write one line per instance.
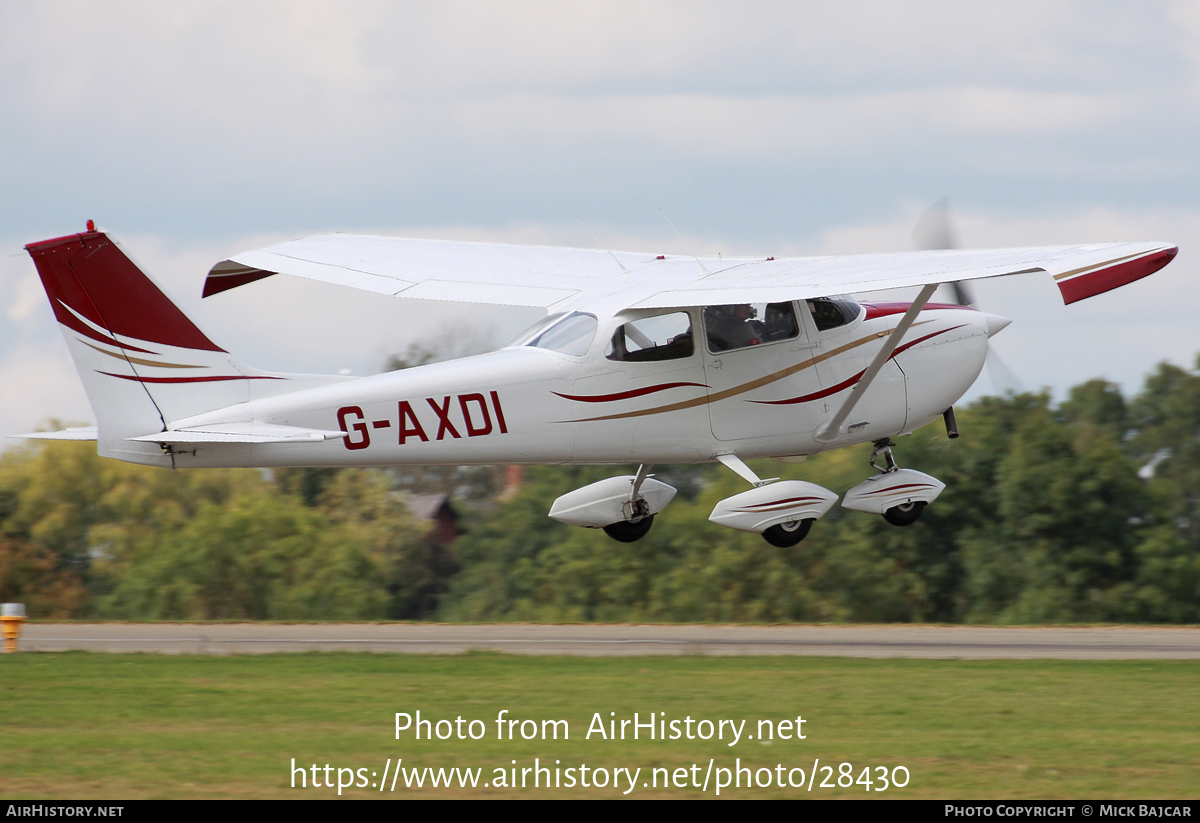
(525, 404)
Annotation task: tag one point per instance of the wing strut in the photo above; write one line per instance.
(733, 462)
(834, 430)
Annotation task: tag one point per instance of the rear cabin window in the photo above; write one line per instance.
(662, 337)
(739, 325)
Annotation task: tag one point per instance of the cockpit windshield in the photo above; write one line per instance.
(536, 329)
(566, 333)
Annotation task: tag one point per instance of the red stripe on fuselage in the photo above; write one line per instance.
(625, 395)
(845, 384)
(214, 379)
(888, 309)
(817, 395)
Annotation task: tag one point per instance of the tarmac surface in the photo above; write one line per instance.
(965, 642)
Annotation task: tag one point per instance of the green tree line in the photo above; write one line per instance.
(1083, 511)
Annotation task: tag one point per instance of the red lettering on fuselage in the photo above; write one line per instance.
(478, 419)
(472, 429)
(406, 415)
(359, 427)
(443, 413)
(499, 412)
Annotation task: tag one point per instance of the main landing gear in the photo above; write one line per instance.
(782, 511)
(623, 506)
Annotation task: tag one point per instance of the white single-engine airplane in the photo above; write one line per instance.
(641, 358)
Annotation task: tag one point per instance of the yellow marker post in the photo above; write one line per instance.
(12, 615)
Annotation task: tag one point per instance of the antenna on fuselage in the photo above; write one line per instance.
(602, 245)
(684, 242)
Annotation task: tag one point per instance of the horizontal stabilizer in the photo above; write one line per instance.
(74, 433)
(240, 433)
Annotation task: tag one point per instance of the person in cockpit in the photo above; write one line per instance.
(733, 327)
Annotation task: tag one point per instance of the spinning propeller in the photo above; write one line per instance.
(935, 230)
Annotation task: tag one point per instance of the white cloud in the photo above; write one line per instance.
(272, 78)
(778, 125)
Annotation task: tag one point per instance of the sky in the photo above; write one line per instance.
(195, 130)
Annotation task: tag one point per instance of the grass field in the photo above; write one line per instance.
(78, 725)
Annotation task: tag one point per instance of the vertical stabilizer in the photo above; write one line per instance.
(142, 361)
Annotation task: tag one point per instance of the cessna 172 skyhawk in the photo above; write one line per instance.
(641, 358)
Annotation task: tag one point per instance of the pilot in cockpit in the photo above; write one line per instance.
(733, 326)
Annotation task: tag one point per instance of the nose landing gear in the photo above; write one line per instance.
(900, 495)
(905, 514)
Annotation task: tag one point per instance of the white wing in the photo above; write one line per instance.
(560, 278)
(429, 269)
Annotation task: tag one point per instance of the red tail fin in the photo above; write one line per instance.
(91, 283)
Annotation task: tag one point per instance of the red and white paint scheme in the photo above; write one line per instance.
(642, 358)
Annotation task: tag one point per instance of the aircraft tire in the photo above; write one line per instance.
(905, 514)
(784, 535)
(626, 532)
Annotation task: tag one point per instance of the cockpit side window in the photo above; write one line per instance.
(662, 337)
(739, 325)
(832, 312)
(571, 335)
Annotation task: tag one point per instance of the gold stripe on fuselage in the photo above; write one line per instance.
(750, 386)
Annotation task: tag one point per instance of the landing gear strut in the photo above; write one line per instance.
(883, 447)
